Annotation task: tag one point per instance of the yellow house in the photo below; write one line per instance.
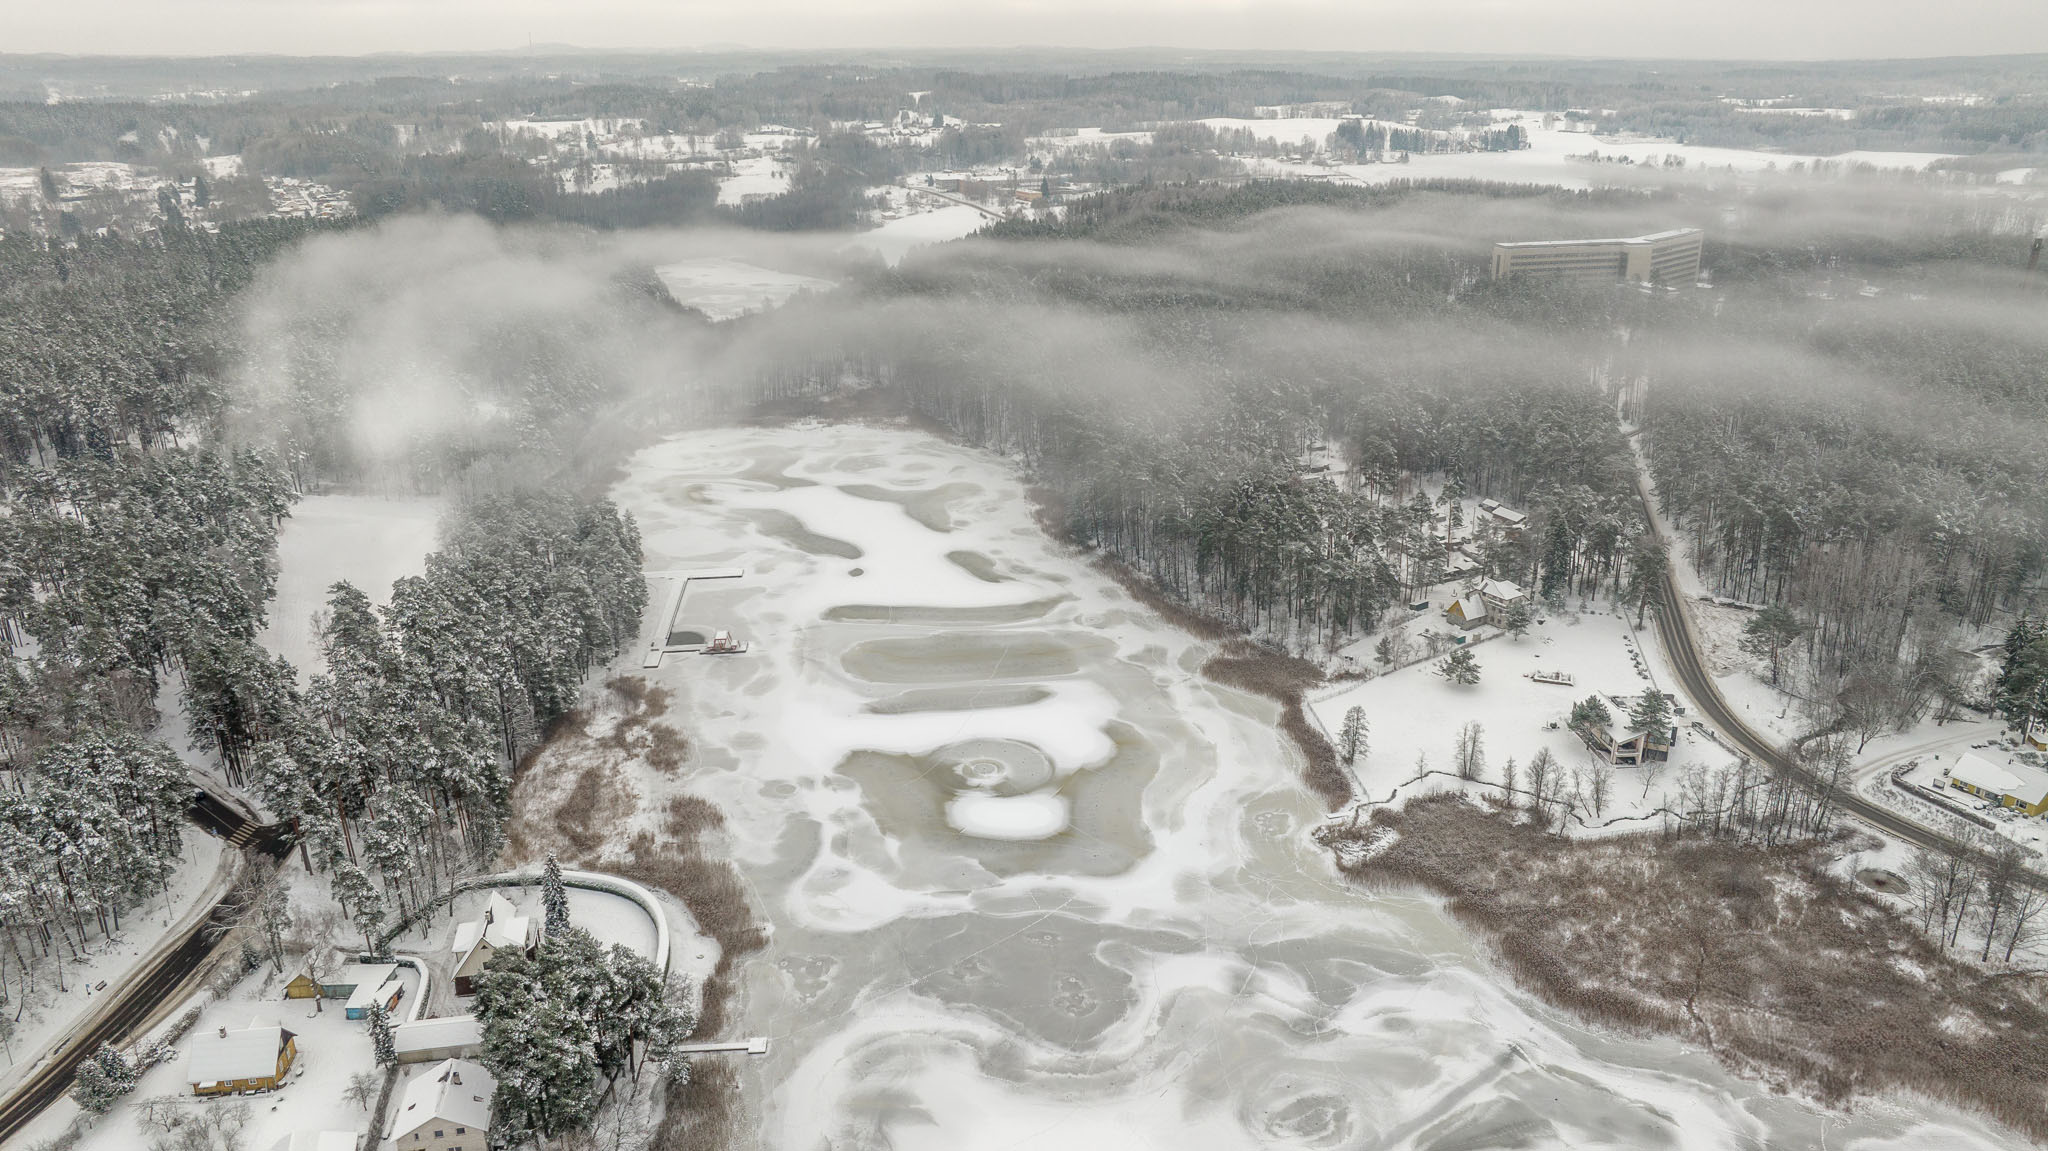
(253, 1058)
(1467, 611)
(2009, 784)
(302, 986)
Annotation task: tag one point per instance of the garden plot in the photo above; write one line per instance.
(1148, 951)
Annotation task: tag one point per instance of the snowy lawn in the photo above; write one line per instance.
(331, 1049)
(1414, 714)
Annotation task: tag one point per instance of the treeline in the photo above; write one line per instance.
(88, 827)
(137, 555)
(394, 765)
(134, 553)
(1866, 458)
(1260, 419)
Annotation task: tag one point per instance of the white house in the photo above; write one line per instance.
(477, 940)
(447, 1107)
(1500, 595)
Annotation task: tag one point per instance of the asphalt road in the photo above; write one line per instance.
(1681, 645)
(143, 992)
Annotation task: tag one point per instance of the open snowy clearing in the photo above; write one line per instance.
(723, 288)
(1164, 961)
(897, 238)
(367, 541)
(1415, 714)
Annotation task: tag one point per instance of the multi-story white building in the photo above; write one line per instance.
(1671, 257)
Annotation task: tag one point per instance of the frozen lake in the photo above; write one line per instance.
(1034, 883)
(722, 288)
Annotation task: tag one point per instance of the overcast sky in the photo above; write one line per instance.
(1727, 28)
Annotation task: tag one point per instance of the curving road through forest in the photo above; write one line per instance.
(144, 991)
(1682, 647)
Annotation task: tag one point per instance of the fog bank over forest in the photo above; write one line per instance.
(1861, 377)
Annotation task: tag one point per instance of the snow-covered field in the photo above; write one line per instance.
(723, 288)
(1545, 160)
(1149, 952)
(897, 238)
(756, 176)
(367, 541)
(47, 1013)
(1414, 714)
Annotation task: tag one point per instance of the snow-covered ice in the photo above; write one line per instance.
(1180, 966)
(722, 288)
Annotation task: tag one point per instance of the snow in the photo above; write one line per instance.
(368, 541)
(49, 1014)
(1008, 816)
(753, 176)
(897, 238)
(722, 288)
(331, 1049)
(1180, 967)
(1415, 714)
(1546, 160)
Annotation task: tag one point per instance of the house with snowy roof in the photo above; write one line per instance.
(1501, 516)
(447, 1107)
(1467, 611)
(389, 992)
(252, 1058)
(2003, 781)
(432, 1040)
(1500, 595)
(353, 977)
(477, 940)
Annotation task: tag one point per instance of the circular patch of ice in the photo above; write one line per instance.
(984, 816)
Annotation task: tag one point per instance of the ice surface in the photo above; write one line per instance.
(897, 238)
(723, 288)
(1179, 967)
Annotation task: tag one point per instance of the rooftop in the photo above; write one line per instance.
(2025, 784)
(247, 1053)
(452, 1091)
(428, 1034)
(1652, 238)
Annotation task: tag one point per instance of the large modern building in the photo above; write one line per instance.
(1664, 258)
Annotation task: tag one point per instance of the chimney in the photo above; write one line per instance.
(223, 1033)
(457, 1077)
